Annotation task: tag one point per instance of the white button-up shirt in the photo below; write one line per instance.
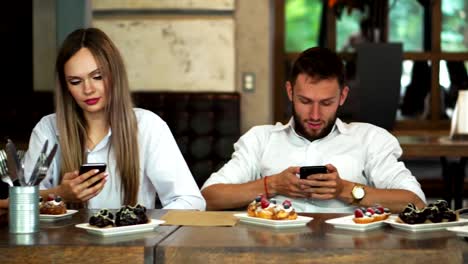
(163, 170)
(362, 153)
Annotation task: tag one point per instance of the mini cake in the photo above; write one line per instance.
(433, 213)
(127, 215)
(371, 214)
(261, 207)
(102, 219)
(53, 206)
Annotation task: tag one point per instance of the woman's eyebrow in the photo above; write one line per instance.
(91, 73)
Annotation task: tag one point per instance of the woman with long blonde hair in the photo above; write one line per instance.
(95, 122)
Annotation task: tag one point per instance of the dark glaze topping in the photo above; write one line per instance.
(434, 213)
(102, 219)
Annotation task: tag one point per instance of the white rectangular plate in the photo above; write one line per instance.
(50, 218)
(346, 222)
(121, 230)
(427, 226)
(300, 221)
(461, 231)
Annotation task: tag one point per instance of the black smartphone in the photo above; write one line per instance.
(309, 170)
(93, 166)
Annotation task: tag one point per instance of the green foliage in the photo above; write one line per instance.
(405, 18)
(347, 26)
(454, 35)
(302, 24)
(406, 24)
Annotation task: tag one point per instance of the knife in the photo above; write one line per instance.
(12, 160)
(39, 162)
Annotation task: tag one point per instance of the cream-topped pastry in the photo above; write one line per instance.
(269, 209)
(53, 206)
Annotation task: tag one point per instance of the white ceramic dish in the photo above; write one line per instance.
(426, 226)
(346, 222)
(461, 231)
(300, 221)
(121, 230)
(50, 218)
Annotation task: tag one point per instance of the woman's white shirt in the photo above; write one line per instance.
(163, 170)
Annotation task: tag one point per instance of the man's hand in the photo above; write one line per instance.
(323, 186)
(286, 183)
(76, 187)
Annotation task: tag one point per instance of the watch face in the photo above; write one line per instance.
(358, 192)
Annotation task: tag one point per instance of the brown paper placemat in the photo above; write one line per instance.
(197, 218)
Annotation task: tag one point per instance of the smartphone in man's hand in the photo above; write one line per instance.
(305, 171)
(93, 166)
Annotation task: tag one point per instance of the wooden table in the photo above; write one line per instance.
(319, 242)
(62, 242)
(453, 156)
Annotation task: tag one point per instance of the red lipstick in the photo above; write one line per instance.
(92, 101)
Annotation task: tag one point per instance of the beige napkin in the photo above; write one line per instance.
(197, 218)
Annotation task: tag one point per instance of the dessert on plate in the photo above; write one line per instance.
(104, 218)
(53, 206)
(261, 207)
(437, 212)
(368, 215)
(127, 215)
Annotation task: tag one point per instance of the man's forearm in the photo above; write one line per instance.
(394, 199)
(229, 196)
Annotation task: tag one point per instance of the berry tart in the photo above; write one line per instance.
(368, 215)
(269, 209)
(53, 206)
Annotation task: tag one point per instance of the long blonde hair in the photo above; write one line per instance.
(122, 121)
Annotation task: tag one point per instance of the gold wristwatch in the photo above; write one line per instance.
(358, 193)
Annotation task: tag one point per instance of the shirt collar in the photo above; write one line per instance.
(340, 126)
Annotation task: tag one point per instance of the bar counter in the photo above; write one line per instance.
(318, 242)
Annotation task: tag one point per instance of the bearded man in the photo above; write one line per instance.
(362, 166)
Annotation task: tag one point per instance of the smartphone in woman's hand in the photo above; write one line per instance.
(93, 166)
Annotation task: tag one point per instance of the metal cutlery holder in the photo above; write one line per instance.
(24, 209)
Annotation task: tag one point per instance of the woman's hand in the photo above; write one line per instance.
(79, 188)
(4, 203)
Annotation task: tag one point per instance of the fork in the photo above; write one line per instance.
(43, 166)
(41, 174)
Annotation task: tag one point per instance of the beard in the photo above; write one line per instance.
(300, 129)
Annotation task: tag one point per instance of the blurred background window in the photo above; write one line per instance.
(347, 28)
(454, 35)
(302, 24)
(406, 24)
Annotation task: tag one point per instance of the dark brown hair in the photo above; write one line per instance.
(318, 63)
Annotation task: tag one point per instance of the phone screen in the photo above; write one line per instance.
(309, 170)
(92, 166)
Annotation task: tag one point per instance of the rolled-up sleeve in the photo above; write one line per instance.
(385, 170)
(244, 165)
